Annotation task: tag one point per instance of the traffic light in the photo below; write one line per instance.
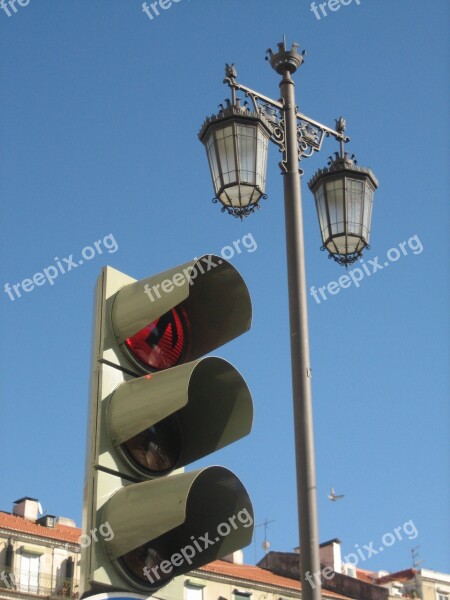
(157, 406)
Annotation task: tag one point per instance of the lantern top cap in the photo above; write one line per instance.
(285, 61)
(232, 111)
(343, 163)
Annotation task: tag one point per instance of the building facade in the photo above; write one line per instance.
(40, 557)
(362, 584)
(230, 579)
(412, 583)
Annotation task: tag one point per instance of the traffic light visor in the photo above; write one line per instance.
(169, 419)
(168, 527)
(181, 314)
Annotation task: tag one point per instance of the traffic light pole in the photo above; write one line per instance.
(300, 361)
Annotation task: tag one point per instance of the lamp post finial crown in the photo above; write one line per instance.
(285, 61)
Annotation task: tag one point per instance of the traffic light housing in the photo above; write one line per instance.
(157, 406)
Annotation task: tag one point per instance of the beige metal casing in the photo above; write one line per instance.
(122, 308)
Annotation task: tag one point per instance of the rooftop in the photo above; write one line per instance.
(62, 533)
(254, 574)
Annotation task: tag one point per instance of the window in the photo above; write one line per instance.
(193, 592)
(443, 597)
(29, 572)
(238, 595)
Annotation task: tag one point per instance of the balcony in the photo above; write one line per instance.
(17, 583)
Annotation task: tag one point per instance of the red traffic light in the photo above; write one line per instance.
(161, 344)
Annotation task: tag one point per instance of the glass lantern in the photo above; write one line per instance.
(236, 142)
(343, 193)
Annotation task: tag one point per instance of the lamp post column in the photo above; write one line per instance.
(300, 362)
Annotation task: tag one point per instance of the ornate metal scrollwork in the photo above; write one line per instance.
(310, 134)
(310, 138)
(241, 211)
(344, 259)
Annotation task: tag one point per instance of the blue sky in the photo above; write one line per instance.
(101, 109)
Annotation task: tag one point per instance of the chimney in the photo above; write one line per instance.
(236, 558)
(26, 508)
(330, 554)
(66, 521)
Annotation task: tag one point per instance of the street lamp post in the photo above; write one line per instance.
(286, 63)
(236, 141)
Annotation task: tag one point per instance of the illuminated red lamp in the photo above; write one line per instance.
(161, 344)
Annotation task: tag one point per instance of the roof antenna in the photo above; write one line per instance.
(266, 544)
(415, 563)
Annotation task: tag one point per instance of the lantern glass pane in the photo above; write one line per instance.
(261, 160)
(239, 195)
(213, 164)
(322, 213)
(335, 199)
(227, 158)
(231, 196)
(246, 138)
(354, 197)
(343, 244)
(337, 245)
(368, 203)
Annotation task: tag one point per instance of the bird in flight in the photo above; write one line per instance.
(333, 497)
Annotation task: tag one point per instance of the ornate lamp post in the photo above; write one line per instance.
(236, 141)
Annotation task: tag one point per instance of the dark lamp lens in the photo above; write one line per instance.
(161, 344)
(156, 450)
(142, 564)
